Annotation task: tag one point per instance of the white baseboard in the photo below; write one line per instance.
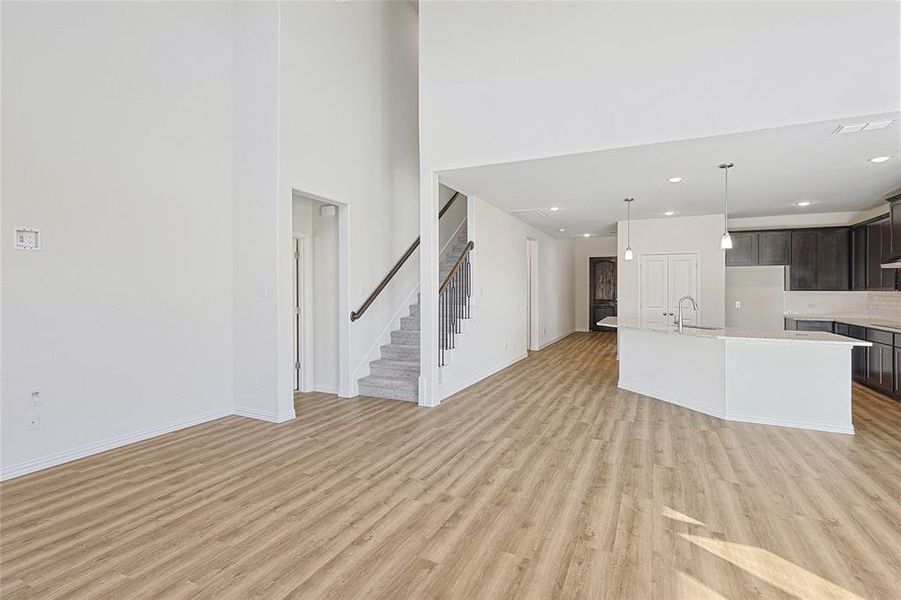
(671, 398)
(731, 415)
(64, 456)
(581, 330)
(782, 422)
(557, 339)
(454, 387)
(264, 415)
(325, 388)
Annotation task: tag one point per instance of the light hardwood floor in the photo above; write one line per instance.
(544, 481)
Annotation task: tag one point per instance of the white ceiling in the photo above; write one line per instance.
(774, 169)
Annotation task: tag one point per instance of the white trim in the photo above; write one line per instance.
(64, 456)
(580, 329)
(325, 388)
(557, 339)
(383, 338)
(264, 415)
(728, 415)
(446, 392)
(670, 397)
(796, 423)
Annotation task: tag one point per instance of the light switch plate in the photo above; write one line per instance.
(28, 238)
(738, 304)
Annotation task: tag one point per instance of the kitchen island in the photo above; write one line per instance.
(789, 378)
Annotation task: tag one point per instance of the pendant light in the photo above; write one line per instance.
(726, 240)
(627, 255)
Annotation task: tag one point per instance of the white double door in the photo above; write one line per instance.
(664, 279)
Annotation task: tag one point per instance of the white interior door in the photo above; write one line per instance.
(654, 288)
(683, 281)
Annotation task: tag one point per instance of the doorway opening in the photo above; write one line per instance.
(316, 326)
(601, 291)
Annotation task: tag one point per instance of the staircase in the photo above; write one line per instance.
(396, 374)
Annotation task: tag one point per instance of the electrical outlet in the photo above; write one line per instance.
(505, 345)
(34, 397)
(32, 422)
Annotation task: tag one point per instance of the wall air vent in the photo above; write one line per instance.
(858, 127)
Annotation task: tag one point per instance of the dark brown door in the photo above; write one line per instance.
(601, 290)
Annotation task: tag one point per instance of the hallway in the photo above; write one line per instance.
(542, 481)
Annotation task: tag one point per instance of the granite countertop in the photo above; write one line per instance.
(883, 323)
(731, 333)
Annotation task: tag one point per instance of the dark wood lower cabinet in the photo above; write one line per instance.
(880, 367)
(897, 391)
(859, 358)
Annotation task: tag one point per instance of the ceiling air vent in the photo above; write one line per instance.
(531, 215)
(858, 127)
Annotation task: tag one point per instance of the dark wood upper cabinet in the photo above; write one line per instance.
(895, 227)
(744, 249)
(774, 247)
(803, 268)
(859, 258)
(820, 259)
(878, 250)
(834, 259)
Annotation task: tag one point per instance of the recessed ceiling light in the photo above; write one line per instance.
(879, 159)
(586, 235)
(804, 203)
(674, 179)
(670, 213)
(555, 208)
(561, 230)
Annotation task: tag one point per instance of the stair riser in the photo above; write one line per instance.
(405, 338)
(394, 373)
(406, 353)
(406, 395)
(414, 310)
(409, 324)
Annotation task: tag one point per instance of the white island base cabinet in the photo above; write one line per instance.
(803, 383)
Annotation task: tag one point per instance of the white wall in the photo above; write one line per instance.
(590, 75)
(349, 135)
(498, 332)
(761, 293)
(555, 288)
(117, 144)
(836, 219)
(583, 249)
(669, 236)
(256, 216)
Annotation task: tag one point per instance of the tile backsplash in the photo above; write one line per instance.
(883, 305)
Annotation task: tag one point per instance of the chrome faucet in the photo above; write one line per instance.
(694, 305)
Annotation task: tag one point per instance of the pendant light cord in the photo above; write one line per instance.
(628, 223)
(726, 203)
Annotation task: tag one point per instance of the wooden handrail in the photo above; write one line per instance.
(356, 314)
(456, 267)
